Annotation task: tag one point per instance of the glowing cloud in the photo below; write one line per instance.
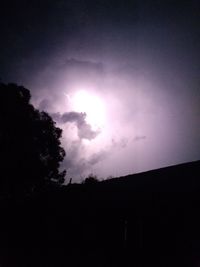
(91, 104)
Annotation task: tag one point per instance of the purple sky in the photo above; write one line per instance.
(138, 65)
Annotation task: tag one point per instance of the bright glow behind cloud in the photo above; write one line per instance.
(89, 103)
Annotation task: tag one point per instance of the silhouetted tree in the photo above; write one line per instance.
(30, 148)
(91, 179)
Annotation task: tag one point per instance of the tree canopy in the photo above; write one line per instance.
(30, 147)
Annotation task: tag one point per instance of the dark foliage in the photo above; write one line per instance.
(30, 150)
(90, 180)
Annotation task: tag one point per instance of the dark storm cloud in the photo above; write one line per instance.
(139, 137)
(85, 65)
(75, 164)
(97, 157)
(61, 75)
(45, 104)
(122, 143)
(84, 129)
(79, 167)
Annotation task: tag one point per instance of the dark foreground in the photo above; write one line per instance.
(149, 219)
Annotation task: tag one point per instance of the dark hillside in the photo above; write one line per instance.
(146, 219)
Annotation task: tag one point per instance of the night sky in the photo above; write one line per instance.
(121, 78)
